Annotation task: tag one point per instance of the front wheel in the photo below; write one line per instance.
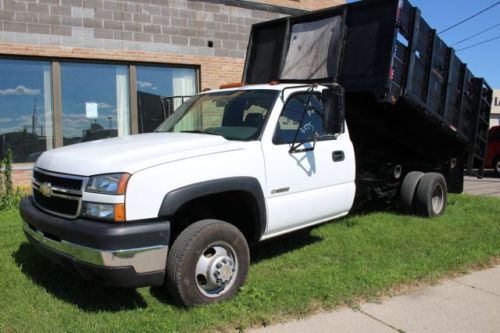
(207, 263)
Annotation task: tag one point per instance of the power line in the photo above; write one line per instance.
(470, 17)
(480, 43)
(477, 34)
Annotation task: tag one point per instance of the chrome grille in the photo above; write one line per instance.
(57, 193)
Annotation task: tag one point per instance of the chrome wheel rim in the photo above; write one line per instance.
(437, 199)
(497, 166)
(216, 269)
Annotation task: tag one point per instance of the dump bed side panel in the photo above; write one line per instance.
(427, 74)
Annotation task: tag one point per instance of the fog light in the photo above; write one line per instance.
(101, 211)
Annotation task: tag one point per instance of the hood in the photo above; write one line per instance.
(132, 153)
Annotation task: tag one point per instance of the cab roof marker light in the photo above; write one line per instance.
(231, 85)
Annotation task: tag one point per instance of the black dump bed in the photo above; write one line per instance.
(404, 85)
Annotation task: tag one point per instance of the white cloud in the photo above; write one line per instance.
(19, 90)
(5, 120)
(145, 84)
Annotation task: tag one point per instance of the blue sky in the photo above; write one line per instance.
(483, 60)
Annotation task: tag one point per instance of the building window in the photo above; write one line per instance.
(161, 90)
(95, 101)
(90, 101)
(26, 118)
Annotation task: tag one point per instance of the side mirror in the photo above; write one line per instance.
(334, 109)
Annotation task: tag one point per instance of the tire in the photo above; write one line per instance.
(496, 165)
(207, 263)
(431, 195)
(408, 189)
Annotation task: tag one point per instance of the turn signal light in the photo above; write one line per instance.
(120, 213)
(122, 184)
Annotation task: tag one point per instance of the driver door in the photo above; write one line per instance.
(308, 187)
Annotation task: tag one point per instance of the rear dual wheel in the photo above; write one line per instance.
(424, 194)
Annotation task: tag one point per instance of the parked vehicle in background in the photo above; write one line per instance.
(493, 153)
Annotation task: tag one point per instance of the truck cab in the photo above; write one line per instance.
(230, 167)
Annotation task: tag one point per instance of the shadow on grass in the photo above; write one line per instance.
(283, 244)
(88, 296)
(161, 294)
(258, 252)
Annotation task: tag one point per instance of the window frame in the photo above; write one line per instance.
(326, 137)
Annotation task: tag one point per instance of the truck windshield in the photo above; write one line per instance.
(235, 115)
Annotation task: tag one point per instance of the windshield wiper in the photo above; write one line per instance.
(193, 131)
(199, 132)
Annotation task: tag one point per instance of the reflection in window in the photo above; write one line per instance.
(235, 115)
(312, 123)
(25, 109)
(160, 91)
(95, 101)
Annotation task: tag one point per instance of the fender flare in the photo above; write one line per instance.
(175, 199)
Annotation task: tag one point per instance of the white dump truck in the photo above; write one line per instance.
(333, 112)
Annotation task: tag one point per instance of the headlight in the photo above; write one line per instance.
(113, 183)
(101, 211)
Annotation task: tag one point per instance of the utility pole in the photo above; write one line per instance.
(33, 119)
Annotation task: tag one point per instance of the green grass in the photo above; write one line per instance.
(359, 257)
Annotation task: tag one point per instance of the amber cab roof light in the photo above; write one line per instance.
(231, 85)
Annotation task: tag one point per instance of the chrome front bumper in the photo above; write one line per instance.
(142, 260)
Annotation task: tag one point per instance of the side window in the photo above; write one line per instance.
(288, 123)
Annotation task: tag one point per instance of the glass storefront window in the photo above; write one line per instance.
(95, 101)
(26, 118)
(161, 90)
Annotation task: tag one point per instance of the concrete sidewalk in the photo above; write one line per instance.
(489, 185)
(470, 303)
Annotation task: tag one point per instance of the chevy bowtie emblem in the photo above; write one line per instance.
(46, 189)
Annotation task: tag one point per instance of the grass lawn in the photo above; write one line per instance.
(358, 257)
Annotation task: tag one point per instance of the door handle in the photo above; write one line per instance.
(338, 156)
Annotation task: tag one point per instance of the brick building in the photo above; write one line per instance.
(80, 70)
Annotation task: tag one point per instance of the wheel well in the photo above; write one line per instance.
(236, 207)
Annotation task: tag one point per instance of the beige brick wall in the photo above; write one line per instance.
(304, 4)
